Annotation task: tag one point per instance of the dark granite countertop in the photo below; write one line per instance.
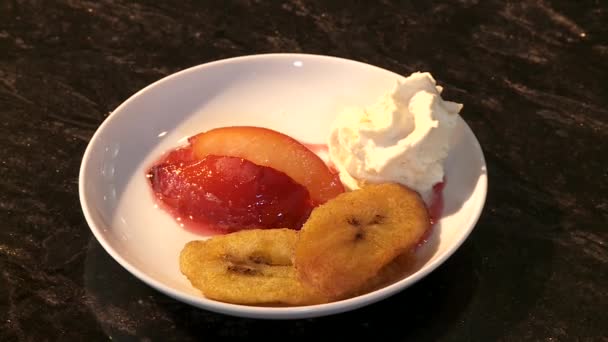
(532, 75)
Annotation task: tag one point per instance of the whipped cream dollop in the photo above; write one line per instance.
(403, 138)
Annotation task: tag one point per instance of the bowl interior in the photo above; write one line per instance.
(296, 94)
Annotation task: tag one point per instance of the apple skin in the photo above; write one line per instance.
(270, 148)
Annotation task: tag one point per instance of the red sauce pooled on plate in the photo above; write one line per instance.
(435, 210)
(436, 206)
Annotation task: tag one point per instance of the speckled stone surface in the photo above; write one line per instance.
(532, 75)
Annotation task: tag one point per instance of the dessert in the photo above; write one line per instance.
(403, 138)
(346, 241)
(258, 187)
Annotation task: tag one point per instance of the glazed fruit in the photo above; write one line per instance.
(346, 241)
(229, 193)
(247, 267)
(266, 147)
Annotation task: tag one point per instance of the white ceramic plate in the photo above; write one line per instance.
(295, 94)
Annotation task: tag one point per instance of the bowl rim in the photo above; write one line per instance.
(239, 310)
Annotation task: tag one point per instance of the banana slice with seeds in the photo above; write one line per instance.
(248, 267)
(346, 241)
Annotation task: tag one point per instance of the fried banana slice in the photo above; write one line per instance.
(247, 267)
(346, 241)
(399, 268)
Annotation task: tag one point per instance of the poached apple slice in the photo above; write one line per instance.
(230, 193)
(270, 148)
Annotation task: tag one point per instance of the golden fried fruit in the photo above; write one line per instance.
(247, 267)
(400, 267)
(346, 241)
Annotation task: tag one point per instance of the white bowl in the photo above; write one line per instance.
(296, 94)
